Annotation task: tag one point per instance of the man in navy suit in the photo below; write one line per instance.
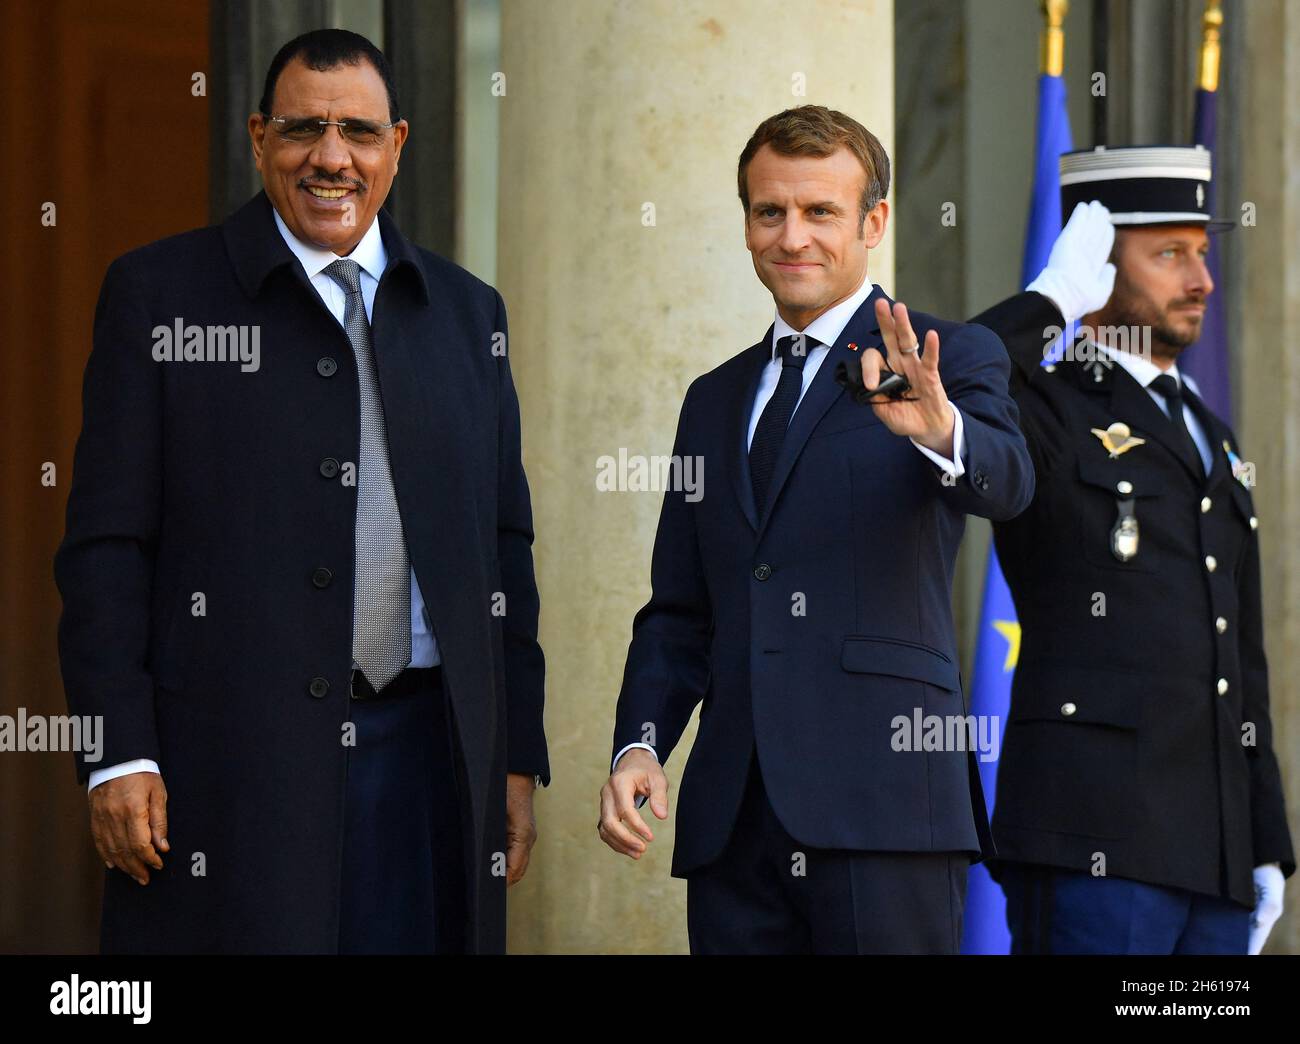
(806, 600)
(297, 574)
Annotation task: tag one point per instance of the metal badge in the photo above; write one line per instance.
(1124, 534)
(1117, 439)
(1241, 471)
(1099, 366)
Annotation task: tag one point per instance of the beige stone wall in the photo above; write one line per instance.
(609, 107)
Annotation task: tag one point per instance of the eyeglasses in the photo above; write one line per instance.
(307, 130)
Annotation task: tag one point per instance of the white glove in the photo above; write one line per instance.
(1078, 277)
(1269, 883)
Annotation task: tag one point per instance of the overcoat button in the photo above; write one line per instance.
(762, 571)
(322, 577)
(318, 687)
(326, 366)
(1211, 563)
(1206, 504)
(1220, 625)
(329, 467)
(1068, 708)
(1223, 686)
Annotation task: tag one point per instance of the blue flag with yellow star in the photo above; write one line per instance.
(998, 643)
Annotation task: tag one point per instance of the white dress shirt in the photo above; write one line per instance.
(1144, 371)
(373, 259)
(826, 328)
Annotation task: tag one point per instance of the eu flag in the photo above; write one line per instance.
(998, 644)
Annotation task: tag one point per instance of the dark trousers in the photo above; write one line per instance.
(769, 894)
(1050, 910)
(402, 888)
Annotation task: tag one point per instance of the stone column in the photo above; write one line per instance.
(623, 265)
(1261, 68)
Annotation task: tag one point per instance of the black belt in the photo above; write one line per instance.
(411, 680)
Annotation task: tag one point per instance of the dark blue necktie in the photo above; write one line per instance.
(1170, 390)
(770, 432)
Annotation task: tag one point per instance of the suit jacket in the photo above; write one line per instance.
(198, 477)
(860, 528)
(1139, 727)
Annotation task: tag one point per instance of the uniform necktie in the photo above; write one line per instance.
(381, 616)
(1169, 389)
(770, 431)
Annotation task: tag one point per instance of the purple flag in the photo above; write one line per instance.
(1206, 361)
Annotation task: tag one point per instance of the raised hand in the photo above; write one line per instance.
(924, 413)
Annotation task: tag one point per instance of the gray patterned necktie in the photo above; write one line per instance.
(381, 617)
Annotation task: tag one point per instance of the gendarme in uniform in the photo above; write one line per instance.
(1139, 738)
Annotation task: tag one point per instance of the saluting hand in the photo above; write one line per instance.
(924, 413)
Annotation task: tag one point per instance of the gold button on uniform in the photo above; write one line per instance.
(1223, 686)
(1068, 708)
(1206, 504)
(1211, 563)
(1220, 625)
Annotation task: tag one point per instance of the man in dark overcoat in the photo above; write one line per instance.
(297, 571)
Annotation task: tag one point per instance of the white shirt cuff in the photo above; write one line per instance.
(953, 467)
(125, 768)
(630, 746)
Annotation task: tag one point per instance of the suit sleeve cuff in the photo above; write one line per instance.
(953, 467)
(124, 768)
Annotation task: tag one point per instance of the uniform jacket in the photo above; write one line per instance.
(1139, 727)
